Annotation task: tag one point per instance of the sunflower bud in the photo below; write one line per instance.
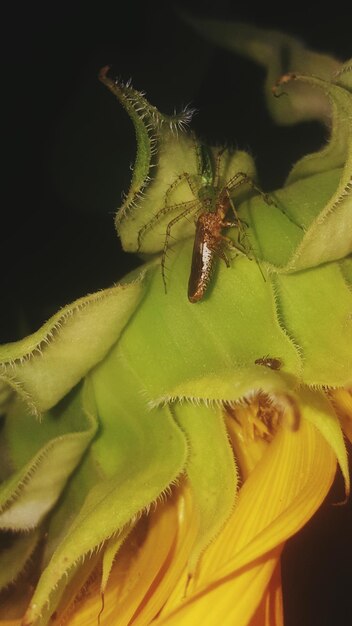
(209, 424)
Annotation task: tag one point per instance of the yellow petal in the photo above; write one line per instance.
(280, 496)
(170, 578)
(137, 565)
(271, 611)
(231, 602)
(248, 451)
(342, 401)
(141, 578)
(282, 493)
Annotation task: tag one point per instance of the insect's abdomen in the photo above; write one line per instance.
(202, 263)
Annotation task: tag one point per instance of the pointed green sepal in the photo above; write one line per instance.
(35, 451)
(280, 54)
(14, 555)
(44, 366)
(316, 408)
(211, 470)
(139, 453)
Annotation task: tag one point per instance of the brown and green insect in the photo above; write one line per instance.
(209, 241)
(212, 206)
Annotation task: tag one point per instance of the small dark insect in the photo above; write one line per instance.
(211, 204)
(273, 363)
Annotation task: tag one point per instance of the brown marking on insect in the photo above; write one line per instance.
(274, 363)
(209, 242)
(211, 204)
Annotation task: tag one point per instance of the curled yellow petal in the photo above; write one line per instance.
(233, 602)
(146, 569)
(342, 401)
(248, 450)
(270, 611)
(282, 493)
(170, 579)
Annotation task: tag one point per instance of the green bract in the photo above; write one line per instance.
(121, 393)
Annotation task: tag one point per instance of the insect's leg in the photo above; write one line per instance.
(241, 240)
(220, 253)
(238, 245)
(184, 176)
(243, 249)
(168, 208)
(164, 211)
(241, 225)
(191, 207)
(217, 167)
(241, 178)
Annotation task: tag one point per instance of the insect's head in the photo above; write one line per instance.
(207, 196)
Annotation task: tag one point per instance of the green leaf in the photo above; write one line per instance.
(343, 76)
(35, 452)
(316, 408)
(329, 235)
(163, 150)
(337, 152)
(65, 592)
(15, 554)
(308, 226)
(80, 483)
(315, 307)
(44, 366)
(112, 548)
(279, 54)
(208, 350)
(172, 169)
(138, 453)
(346, 269)
(211, 470)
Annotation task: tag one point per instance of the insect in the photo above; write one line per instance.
(211, 205)
(209, 242)
(274, 363)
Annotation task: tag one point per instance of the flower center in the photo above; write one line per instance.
(258, 418)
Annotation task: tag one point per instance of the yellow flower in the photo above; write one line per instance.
(287, 474)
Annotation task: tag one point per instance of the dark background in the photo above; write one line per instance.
(66, 152)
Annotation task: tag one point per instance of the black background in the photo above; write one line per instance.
(66, 151)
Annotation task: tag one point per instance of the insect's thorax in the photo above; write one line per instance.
(207, 196)
(211, 220)
(210, 223)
